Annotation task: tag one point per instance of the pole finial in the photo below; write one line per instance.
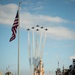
(20, 3)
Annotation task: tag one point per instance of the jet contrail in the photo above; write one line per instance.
(43, 44)
(36, 46)
(34, 49)
(29, 52)
(44, 41)
(33, 45)
(36, 57)
(40, 43)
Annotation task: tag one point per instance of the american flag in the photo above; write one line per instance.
(14, 27)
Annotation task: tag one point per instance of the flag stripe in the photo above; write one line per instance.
(14, 27)
(15, 23)
(16, 19)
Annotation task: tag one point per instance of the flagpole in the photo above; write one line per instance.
(19, 42)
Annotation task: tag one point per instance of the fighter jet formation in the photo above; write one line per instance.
(36, 48)
(38, 28)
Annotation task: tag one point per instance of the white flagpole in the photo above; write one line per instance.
(19, 42)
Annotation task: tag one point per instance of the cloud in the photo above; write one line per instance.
(36, 6)
(25, 3)
(52, 19)
(72, 57)
(9, 10)
(6, 13)
(69, 1)
(72, 0)
(27, 19)
(61, 33)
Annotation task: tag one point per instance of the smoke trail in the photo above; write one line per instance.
(33, 45)
(40, 43)
(43, 44)
(29, 52)
(34, 51)
(29, 49)
(36, 58)
(36, 46)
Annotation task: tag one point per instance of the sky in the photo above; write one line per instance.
(56, 15)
